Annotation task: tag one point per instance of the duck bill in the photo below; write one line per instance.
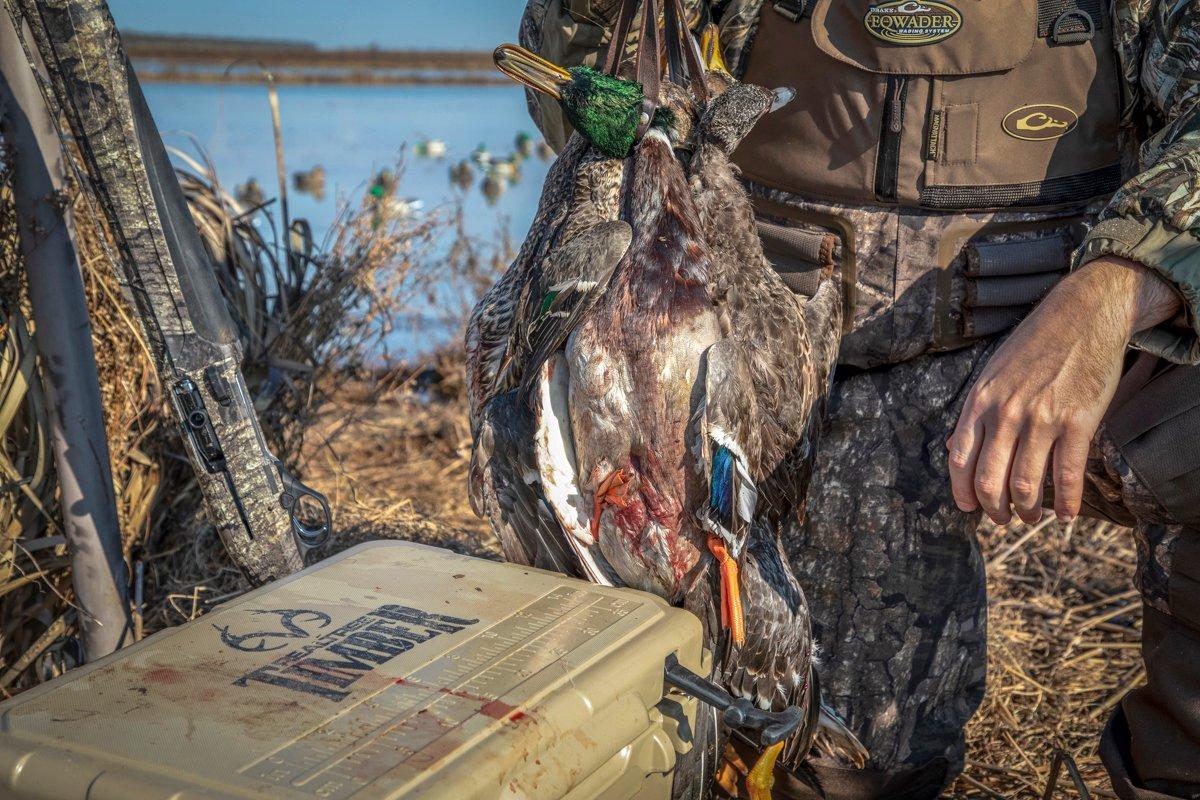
(531, 70)
(710, 47)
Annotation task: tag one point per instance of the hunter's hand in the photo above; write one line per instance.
(1046, 389)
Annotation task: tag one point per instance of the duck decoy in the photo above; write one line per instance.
(662, 428)
(523, 144)
(250, 194)
(462, 175)
(430, 148)
(311, 182)
(492, 187)
(481, 155)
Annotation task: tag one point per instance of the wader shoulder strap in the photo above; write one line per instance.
(1069, 21)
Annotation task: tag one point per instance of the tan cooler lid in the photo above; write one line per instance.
(392, 670)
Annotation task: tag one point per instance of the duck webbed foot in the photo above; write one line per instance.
(761, 779)
(732, 618)
(615, 490)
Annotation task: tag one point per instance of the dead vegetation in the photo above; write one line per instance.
(389, 445)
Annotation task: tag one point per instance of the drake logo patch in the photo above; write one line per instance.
(909, 22)
(1039, 122)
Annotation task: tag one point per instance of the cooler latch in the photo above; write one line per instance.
(762, 727)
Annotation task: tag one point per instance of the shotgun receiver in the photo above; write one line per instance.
(266, 518)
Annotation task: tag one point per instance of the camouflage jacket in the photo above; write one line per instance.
(1153, 219)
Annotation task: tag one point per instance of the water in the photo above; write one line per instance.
(353, 131)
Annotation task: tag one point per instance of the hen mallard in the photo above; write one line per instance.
(645, 390)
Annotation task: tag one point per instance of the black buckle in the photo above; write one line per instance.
(1059, 35)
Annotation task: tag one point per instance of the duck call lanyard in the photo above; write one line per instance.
(684, 61)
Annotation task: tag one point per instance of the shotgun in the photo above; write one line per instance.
(267, 519)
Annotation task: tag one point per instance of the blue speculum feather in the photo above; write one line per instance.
(720, 489)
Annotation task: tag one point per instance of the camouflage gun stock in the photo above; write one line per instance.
(266, 518)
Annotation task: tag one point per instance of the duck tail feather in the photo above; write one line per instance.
(833, 739)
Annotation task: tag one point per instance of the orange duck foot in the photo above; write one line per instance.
(615, 490)
(731, 593)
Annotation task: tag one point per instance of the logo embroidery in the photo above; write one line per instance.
(1040, 122)
(909, 22)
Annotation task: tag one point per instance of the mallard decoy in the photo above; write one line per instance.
(506, 168)
(385, 183)
(654, 451)
(492, 187)
(250, 194)
(481, 155)
(310, 182)
(462, 175)
(523, 144)
(430, 148)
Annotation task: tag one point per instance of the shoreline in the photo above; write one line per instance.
(315, 78)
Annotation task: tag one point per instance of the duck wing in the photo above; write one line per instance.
(575, 275)
(505, 488)
(728, 444)
(494, 318)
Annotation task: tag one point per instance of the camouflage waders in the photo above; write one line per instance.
(892, 569)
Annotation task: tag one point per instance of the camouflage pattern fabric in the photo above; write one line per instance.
(891, 568)
(93, 88)
(898, 278)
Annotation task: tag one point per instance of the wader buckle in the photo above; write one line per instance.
(1082, 27)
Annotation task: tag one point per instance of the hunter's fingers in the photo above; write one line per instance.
(992, 471)
(1070, 461)
(1028, 475)
(964, 452)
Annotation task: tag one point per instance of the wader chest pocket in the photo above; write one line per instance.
(939, 104)
(956, 37)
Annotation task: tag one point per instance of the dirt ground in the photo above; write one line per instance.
(1063, 623)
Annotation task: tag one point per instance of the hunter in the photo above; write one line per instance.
(1011, 190)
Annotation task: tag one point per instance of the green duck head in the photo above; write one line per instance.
(605, 109)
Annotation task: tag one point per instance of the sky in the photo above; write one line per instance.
(403, 24)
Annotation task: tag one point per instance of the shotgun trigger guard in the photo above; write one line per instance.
(307, 536)
(764, 727)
